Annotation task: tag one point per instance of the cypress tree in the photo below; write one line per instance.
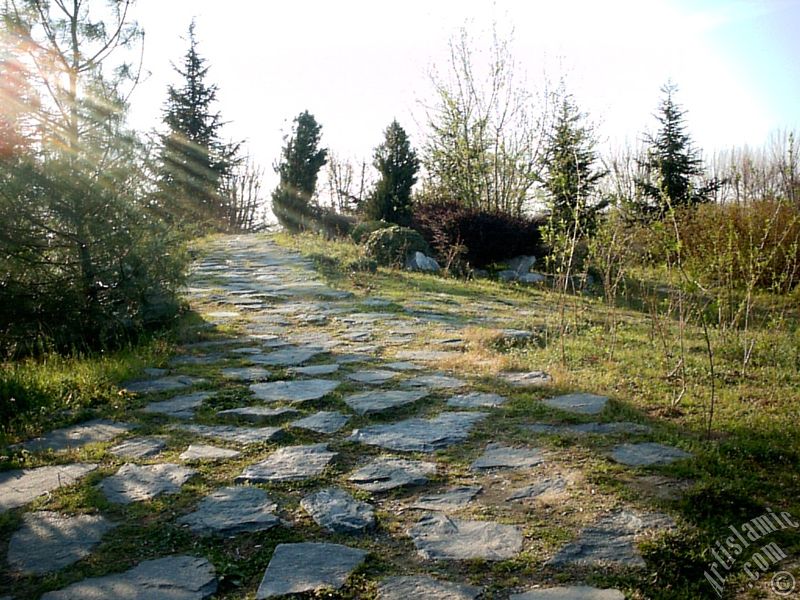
(397, 164)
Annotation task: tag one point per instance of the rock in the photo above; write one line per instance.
(181, 407)
(610, 541)
(291, 463)
(498, 456)
(232, 433)
(476, 400)
(200, 452)
(289, 356)
(294, 391)
(368, 403)
(508, 275)
(246, 373)
(19, 487)
(437, 382)
(205, 359)
(583, 404)
(232, 510)
(323, 422)
(257, 414)
(530, 379)
(75, 436)
(163, 384)
(647, 454)
(521, 264)
(545, 487)
(420, 435)
(133, 483)
(308, 567)
(48, 541)
(141, 447)
(438, 537)
(403, 366)
(427, 355)
(372, 377)
(572, 592)
(337, 511)
(531, 278)
(386, 473)
(419, 262)
(422, 587)
(315, 370)
(171, 578)
(452, 499)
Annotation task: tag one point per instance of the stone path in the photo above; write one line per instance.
(328, 421)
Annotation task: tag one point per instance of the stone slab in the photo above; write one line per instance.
(246, 373)
(647, 454)
(257, 414)
(422, 587)
(452, 499)
(420, 435)
(134, 483)
(232, 433)
(203, 452)
(367, 403)
(180, 407)
(232, 510)
(386, 473)
(499, 456)
(140, 447)
(337, 511)
(434, 382)
(439, 537)
(582, 404)
(543, 488)
(285, 357)
(308, 567)
(323, 422)
(476, 400)
(176, 577)
(75, 436)
(315, 370)
(48, 541)
(372, 376)
(21, 486)
(163, 384)
(529, 379)
(572, 592)
(294, 391)
(290, 463)
(403, 365)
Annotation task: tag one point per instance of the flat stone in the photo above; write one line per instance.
(498, 456)
(367, 403)
(291, 463)
(48, 541)
(530, 379)
(180, 407)
(403, 366)
(201, 452)
(246, 373)
(315, 370)
(308, 567)
(476, 400)
(140, 447)
(438, 537)
(75, 436)
(232, 510)
(452, 499)
(647, 454)
(426, 355)
(19, 487)
(258, 414)
(572, 592)
(133, 483)
(616, 427)
(436, 382)
(337, 511)
(162, 384)
(204, 359)
(294, 391)
(171, 578)
(386, 473)
(583, 404)
(543, 488)
(285, 357)
(372, 376)
(422, 587)
(610, 541)
(223, 314)
(232, 433)
(323, 422)
(420, 435)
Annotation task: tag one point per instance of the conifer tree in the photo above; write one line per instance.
(397, 164)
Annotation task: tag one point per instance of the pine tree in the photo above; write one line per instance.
(673, 174)
(570, 177)
(195, 162)
(301, 160)
(397, 164)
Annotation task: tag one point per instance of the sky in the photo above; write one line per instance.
(356, 65)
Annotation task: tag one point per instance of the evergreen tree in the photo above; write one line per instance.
(570, 178)
(301, 160)
(195, 162)
(673, 174)
(397, 164)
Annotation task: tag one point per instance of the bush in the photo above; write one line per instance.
(363, 265)
(361, 231)
(390, 246)
(480, 237)
(332, 224)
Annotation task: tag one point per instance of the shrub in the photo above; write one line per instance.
(361, 231)
(481, 237)
(332, 224)
(390, 246)
(363, 265)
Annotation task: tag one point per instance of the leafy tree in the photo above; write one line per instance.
(301, 160)
(673, 169)
(397, 164)
(195, 162)
(570, 177)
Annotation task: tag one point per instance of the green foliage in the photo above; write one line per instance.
(301, 160)
(397, 164)
(362, 231)
(390, 246)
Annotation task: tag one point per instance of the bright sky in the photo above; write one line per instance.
(356, 64)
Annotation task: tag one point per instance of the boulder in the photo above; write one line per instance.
(521, 264)
(532, 278)
(508, 275)
(419, 262)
